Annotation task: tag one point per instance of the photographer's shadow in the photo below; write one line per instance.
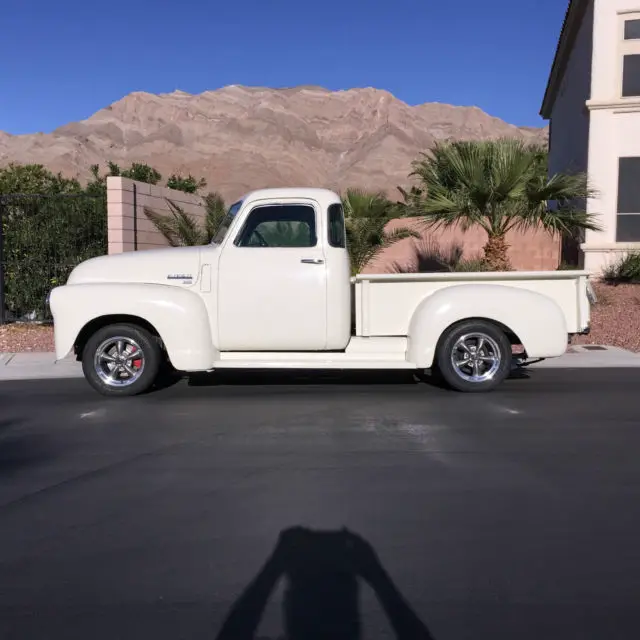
(323, 572)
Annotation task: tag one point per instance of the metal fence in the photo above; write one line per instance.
(42, 238)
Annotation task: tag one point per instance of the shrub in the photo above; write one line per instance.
(430, 257)
(624, 270)
(45, 237)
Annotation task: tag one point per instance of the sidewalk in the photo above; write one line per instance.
(38, 366)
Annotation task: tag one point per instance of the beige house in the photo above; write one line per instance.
(592, 103)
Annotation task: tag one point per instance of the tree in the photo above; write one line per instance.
(35, 179)
(183, 230)
(366, 218)
(188, 184)
(499, 185)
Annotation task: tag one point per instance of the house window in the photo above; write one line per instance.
(632, 29)
(629, 52)
(631, 75)
(628, 222)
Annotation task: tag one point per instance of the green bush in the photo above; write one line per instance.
(45, 237)
(624, 270)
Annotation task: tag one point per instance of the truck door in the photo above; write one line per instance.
(272, 289)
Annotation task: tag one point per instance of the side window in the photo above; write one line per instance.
(279, 225)
(336, 227)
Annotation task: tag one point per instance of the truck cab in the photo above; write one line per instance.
(273, 290)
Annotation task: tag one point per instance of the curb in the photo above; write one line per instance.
(44, 366)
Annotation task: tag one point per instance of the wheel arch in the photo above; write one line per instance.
(108, 319)
(526, 317)
(178, 317)
(511, 335)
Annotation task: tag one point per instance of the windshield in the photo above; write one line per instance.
(226, 222)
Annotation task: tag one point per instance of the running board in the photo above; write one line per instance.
(241, 360)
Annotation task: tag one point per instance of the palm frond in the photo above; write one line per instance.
(178, 227)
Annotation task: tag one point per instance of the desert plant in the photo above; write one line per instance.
(183, 230)
(188, 184)
(624, 270)
(366, 217)
(499, 185)
(430, 257)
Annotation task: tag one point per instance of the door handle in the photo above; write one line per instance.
(312, 261)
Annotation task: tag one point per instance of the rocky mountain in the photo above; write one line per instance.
(240, 138)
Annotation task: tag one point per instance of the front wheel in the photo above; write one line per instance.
(121, 360)
(474, 356)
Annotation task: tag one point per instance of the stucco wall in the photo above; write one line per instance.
(569, 136)
(121, 213)
(614, 131)
(529, 251)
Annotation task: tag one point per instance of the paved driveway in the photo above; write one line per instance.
(509, 515)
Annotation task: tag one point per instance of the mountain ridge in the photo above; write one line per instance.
(240, 138)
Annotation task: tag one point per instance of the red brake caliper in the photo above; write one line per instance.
(136, 363)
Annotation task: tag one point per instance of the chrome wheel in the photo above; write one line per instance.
(476, 357)
(119, 361)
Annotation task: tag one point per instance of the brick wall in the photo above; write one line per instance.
(529, 251)
(121, 212)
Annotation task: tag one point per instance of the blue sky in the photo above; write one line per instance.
(62, 60)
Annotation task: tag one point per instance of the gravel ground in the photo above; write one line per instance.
(26, 337)
(615, 321)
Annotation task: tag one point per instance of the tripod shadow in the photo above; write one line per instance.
(321, 601)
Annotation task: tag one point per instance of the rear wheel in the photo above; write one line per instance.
(474, 356)
(121, 360)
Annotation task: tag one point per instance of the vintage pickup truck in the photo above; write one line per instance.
(273, 291)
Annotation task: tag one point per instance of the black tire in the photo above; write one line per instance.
(146, 373)
(494, 358)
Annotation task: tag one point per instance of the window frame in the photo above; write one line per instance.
(626, 48)
(262, 205)
(343, 245)
(622, 192)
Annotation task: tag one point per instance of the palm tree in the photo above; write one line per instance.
(499, 185)
(182, 230)
(366, 218)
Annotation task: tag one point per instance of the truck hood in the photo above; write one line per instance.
(172, 266)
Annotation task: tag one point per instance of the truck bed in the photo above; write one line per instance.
(384, 303)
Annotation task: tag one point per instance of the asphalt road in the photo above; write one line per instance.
(509, 515)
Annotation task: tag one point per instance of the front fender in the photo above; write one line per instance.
(535, 318)
(178, 315)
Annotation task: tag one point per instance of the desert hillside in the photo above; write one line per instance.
(240, 138)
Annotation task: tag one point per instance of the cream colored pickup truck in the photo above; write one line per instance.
(273, 291)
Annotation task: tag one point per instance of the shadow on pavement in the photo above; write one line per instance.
(323, 571)
(300, 377)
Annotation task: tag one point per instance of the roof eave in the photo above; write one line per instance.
(570, 26)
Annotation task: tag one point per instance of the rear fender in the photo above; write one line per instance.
(535, 319)
(179, 316)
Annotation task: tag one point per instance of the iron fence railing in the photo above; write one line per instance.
(42, 238)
